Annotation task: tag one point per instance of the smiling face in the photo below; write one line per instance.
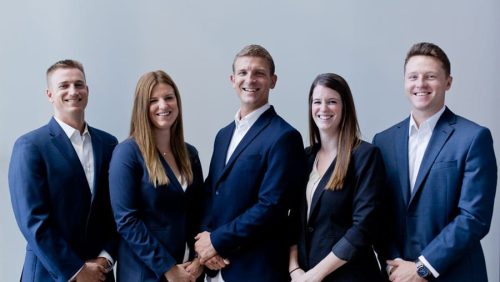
(252, 80)
(326, 109)
(425, 85)
(163, 108)
(68, 92)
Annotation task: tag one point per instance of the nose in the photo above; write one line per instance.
(73, 90)
(420, 82)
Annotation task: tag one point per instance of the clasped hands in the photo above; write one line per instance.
(206, 252)
(94, 270)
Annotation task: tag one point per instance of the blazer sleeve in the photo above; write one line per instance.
(475, 206)
(368, 181)
(282, 179)
(28, 184)
(124, 181)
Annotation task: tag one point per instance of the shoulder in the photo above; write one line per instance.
(105, 136)
(365, 149)
(128, 147)
(192, 151)
(39, 136)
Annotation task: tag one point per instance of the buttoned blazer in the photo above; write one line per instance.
(63, 223)
(248, 199)
(155, 223)
(451, 205)
(344, 221)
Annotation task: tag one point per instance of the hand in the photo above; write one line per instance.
(403, 271)
(91, 272)
(203, 247)
(104, 262)
(178, 273)
(216, 263)
(195, 268)
(296, 274)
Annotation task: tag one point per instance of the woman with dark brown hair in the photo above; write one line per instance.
(338, 210)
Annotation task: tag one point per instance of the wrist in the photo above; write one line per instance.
(423, 271)
(293, 269)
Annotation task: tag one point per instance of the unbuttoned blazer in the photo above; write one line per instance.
(451, 205)
(63, 222)
(344, 221)
(155, 223)
(248, 199)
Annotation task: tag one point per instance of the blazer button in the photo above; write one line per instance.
(216, 193)
(310, 229)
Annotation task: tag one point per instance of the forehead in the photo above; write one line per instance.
(422, 63)
(162, 89)
(325, 92)
(251, 62)
(66, 74)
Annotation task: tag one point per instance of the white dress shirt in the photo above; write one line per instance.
(242, 125)
(419, 137)
(82, 143)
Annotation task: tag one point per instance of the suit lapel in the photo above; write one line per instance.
(401, 152)
(321, 188)
(220, 150)
(63, 144)
(261, 123)
(97, 151)
(440, 135)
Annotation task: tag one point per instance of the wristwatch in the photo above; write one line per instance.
(422, 270)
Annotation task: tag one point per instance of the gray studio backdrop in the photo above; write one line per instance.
(195, 41)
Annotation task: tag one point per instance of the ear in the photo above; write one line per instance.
(231, 78)
(448, 82)
(49, 95)
(274, 79)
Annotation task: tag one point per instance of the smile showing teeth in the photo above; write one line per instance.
(325, 117)
(73, 99)
(421, 93)
(164, 114)
(250, 89)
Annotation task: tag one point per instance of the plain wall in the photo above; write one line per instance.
(195, 42)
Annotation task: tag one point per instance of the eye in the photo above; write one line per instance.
(412, 77)
(79, 85)
(153, 100)
(431, 76)
(62, 86)
(242, 73)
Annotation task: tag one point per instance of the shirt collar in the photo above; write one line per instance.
(70, 131)
(252, 117)
(429, 123)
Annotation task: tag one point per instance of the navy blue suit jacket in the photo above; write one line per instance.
(248, 199)
(451, 205)
(63, 223)
(344, 221)
(155, 223)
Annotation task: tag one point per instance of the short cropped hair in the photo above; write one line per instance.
(255, 50)
(432, 50)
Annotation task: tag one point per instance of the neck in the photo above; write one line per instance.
(329, 142)
(162, 140)
(77, 122)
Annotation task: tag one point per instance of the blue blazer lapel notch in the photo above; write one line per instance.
(440, 135)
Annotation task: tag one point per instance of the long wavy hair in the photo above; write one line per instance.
(141, 130)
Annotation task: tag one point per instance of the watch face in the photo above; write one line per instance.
(422, 271)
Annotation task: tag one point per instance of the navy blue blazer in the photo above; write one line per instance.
(451, 205)
(344, 221)
(154, 223)
(63, 223)
(248, 199)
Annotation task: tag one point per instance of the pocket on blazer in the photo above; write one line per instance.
(447, 164)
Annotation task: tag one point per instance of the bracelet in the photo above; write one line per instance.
(298, 267)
